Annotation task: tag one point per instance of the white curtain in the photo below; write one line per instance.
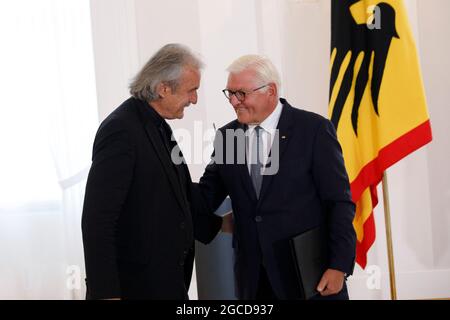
(48, 118)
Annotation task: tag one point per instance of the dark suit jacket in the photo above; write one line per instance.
(140, 212)
(311, 188)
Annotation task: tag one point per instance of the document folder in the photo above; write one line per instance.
(310, 251)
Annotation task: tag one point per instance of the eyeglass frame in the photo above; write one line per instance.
(244, 93)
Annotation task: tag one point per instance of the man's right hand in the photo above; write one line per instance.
(227, 223)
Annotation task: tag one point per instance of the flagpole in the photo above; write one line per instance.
(390, 250)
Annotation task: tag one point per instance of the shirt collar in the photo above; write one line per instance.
(157, 120)
(271, 122)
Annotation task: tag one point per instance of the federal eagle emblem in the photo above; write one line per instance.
(353, 33)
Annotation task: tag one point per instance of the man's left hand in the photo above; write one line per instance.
(331, 283)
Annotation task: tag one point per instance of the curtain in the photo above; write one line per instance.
(48, 113)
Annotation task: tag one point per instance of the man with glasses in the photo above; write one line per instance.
(307, 188)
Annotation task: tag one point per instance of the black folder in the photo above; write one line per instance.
(311, 259)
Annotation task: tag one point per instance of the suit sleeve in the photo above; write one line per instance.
(206, 223)
(106, 190)
(332, 181)
(211, 185)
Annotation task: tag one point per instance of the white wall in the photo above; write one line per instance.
(434, 50)
(115, 50)
(296, 35)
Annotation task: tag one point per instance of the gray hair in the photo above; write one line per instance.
(265, 70)
(165, 66)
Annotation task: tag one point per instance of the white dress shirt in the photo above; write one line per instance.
(269, 127)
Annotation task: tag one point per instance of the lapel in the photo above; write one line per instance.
(160, 150)
(184, 177)
(284, 136)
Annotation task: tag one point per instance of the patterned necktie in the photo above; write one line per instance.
(256, 161)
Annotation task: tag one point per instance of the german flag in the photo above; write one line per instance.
(377, 99)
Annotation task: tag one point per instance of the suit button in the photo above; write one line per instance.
(258, 219)
(181, 262)
(182, 225)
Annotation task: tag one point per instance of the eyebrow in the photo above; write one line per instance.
(240, 89)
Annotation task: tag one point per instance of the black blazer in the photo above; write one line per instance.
(311, 188)
(140, 213)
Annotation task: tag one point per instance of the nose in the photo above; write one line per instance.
(234, 101)
(194, 98)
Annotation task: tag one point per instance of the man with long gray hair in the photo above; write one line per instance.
(141, 211)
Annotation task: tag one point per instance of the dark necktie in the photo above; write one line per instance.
(256, 161)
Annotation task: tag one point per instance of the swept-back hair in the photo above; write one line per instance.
(165, 66)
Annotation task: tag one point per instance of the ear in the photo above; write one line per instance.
(163, 90)
(273, 91)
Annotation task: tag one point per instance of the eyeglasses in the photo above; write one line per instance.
(240, 94)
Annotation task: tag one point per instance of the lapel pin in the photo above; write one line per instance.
(283, 137)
